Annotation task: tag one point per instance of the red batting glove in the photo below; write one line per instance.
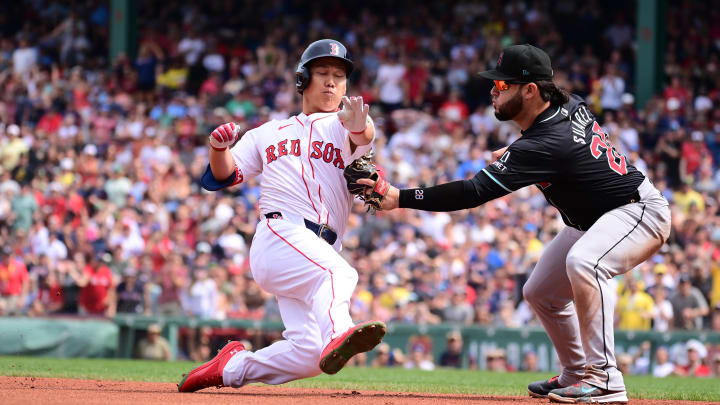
(224, 136)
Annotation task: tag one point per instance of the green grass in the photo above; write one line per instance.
(398, 380)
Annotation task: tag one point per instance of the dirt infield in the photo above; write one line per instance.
(30, 390)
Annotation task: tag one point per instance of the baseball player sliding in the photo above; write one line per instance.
(615, 218)
(294, 252)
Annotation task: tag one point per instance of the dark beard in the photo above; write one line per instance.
(510, 109)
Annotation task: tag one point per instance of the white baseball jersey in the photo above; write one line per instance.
(301, 160)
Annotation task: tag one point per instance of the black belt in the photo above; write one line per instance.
(321, 230)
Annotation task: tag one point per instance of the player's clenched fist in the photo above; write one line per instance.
(224, 136)
(354, 114)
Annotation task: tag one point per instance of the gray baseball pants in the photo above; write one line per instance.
(569, 291)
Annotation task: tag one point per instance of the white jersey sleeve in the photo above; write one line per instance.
(248, 164)
(246, 155)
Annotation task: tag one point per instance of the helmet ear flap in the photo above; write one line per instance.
(302, 78)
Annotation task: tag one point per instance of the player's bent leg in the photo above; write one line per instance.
(290, 359)
(332, 309)
(620, 240)
(549, 293)
(289, 260)
(342, 340)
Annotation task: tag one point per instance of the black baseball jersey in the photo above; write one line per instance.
(567, 155)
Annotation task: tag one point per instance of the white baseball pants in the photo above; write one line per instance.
(313, 285)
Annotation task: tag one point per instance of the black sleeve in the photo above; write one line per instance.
(454, 196)
(527, 161)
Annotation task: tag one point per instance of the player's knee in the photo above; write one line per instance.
(348, 275)
(308, 360)
(353, 276)
(531, 294)
(577, 264)
(309, 370)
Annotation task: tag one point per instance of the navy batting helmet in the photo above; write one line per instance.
(320, 49)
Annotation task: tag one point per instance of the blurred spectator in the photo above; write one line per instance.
(130, 293)
(687, 198)
(46, 297)
(203, 295)
(382, 356)
(662, 312)
(624, 362)
(420, 353)
(640, 363)
(12, 148)
(452, 356)
(695, 366)
(497, 361)
(715, 321)
(172, 280)
(689, 306)
(14, 283)
(386, 357)
(24, 57)
(613, 87)
(153, 346)
(389, 82)
(459, 311)
(634, 307)
(694, 153)
(97, 288)
(530, 362)
(419, 358)
(24, 207)
(715, 365)
(662, 367)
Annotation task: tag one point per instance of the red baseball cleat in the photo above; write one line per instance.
(358, 339)
(210, 374)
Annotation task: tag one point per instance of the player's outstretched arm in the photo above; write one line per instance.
(453, 196)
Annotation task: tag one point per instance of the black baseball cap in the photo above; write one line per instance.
(521, 63)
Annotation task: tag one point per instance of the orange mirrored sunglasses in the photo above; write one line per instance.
(501, 85)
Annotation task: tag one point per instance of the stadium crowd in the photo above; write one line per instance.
(101, 211)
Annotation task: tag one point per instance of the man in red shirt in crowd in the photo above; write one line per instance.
(97, 288)
(414, 83)
(695, 366)
(50, 122)
(694, 151)
(14, 283)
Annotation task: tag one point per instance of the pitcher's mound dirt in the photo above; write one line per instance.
(45, 391)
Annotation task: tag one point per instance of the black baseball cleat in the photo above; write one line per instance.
(584, 393)
(541, 389)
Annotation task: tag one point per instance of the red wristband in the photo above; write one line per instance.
(359, 132)
(219, 149)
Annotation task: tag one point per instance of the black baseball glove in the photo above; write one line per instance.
(364, 168)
